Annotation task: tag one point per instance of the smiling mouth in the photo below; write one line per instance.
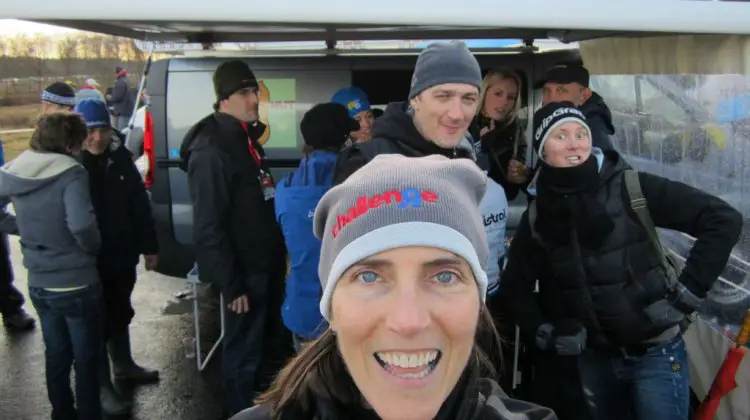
(415, 365)
(573, 159)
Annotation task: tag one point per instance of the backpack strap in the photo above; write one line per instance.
(640, 207)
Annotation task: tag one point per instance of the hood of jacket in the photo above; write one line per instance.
(200, 133)
(33, 170)
(397, 125)
(595, 109)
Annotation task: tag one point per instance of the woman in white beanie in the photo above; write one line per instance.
(402, 270)
(587, 281)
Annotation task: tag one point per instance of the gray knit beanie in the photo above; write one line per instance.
(395, 201)
(445, 62)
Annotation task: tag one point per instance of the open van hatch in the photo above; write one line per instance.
(337, 20)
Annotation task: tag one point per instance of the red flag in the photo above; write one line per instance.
(723, 384)
(725, 381)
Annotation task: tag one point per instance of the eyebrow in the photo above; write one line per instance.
(438, 262)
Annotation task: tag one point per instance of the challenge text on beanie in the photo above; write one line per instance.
(59, 93)
(395, 201)
(553, 115)
(445, 62)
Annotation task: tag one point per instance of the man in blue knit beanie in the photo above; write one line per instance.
(123, 214)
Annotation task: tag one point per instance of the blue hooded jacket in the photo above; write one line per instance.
(297, 196)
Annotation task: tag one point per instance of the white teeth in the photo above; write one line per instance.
(403, 361)
(419, 375)
(411, 360)
(572, 159)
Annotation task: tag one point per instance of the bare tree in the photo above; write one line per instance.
(67, 47)
(67, 50)
(21, 46)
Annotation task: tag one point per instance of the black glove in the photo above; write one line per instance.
(567, 339)
(570, 338)
(684, 300)
(545, 337)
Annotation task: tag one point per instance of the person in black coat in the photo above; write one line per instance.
(124, 217)
(239, 245)
(435, 120)
(585, 281)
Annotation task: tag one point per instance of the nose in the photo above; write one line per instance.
(408, 315)
(455, 110)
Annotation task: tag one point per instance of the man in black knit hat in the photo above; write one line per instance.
(239, 245)
(58, 96)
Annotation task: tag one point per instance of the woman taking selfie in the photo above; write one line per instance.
(402, 270)
(497, 133)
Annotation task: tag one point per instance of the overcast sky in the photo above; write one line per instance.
(14, 27)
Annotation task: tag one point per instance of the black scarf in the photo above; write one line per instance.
(96, 165)
(567, 199)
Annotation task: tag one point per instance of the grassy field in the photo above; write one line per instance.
(18, 116)
(14, 144)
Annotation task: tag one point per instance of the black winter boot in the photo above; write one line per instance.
(122, 361)
(112, 403)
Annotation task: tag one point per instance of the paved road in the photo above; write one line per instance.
(160, 325)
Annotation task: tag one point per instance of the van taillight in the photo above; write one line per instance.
(148, 149)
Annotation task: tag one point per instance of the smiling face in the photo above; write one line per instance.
(405, 321)
(98, 140)
(500, 98)
(442, 113)
(568, 144)
(365, 120)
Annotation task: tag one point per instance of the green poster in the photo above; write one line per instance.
(277, 103)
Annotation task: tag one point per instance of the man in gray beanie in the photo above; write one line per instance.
(443, 99)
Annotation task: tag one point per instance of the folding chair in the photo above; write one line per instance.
(193, 279)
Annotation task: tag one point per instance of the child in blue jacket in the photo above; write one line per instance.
(325, 128)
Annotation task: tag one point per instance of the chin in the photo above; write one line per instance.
(414, 410)
(448, 142)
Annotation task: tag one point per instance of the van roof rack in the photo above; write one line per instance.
(342, 48)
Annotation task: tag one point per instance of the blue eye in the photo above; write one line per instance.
(445, 277)
(368, 276)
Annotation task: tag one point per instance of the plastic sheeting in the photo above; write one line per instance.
(686, 54)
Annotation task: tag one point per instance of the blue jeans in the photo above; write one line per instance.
(121, 122)
(655, 385)
(72, 329)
